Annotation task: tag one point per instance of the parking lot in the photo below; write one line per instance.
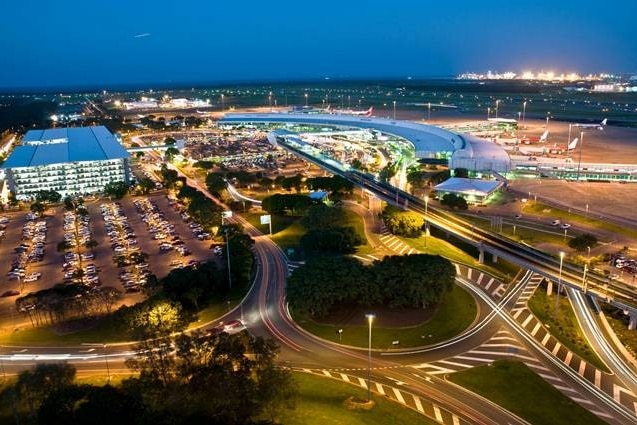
(30, 247)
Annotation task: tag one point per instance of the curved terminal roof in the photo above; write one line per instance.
(428, 141)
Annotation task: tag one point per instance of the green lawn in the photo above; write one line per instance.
(321, 402)
(523, 233)
(356, 221)
(518, 389)
(566, 328)
(552, 213)
(455, 313)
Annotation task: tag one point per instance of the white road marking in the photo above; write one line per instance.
(399, 395)
(418, 403)
(437, 413)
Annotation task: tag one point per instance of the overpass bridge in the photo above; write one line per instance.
(600, 287)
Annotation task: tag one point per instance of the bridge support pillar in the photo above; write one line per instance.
(495, 258)
(549, 287)
(481, 256)
(632, 321)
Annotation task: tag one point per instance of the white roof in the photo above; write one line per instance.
(468, 186)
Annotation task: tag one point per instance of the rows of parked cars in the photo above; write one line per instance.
(124, 243)
(77, 233)
(627, 265)
(30, 250)
(161, 229)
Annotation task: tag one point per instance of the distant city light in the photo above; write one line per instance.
(532, 76)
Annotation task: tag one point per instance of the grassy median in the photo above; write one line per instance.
(517, 388)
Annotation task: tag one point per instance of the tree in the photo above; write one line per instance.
(403, 223)
(169, 141)
(454, 201)
(321, 216)
(38, 207)
(34, 384)
(582, 242)
(331, 240)
(215, 183)
(171, 153)
(116, 189)
(48, 196)
(146, 185)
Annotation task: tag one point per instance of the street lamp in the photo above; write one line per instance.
(559, 284)
(428, 111)
(270, 100)
(524, 114)
(394, 110)
(497, 104)
(426, 222)
(370, 318)
(306, 100)
(108, 371)
(222, 105)
(488, 114)
(581, 148)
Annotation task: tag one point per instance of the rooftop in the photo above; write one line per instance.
(60, 145)
(468, 186)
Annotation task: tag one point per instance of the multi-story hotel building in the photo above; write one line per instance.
(71, 161)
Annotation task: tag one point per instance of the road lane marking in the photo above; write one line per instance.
(327, 373)
(399, 395)
(344, 377)
(454, 363)
(556, 348)
(469, 273)
(437, 413)
(418, 403)
(380, 389)
(455, 419)
(582, 367)
(362, 383)
(479, 280)
(536, 328)
(546, 339)
(598, 379)
(527, 320)
(518, 311)
(569, 357)
(488, 285)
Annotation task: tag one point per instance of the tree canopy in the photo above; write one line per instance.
(412, 281)
(403, 223)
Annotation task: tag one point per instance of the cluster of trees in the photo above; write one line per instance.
(454, 201)
(328, 232)
(421, 178)
(201, 208)
(403, 223)
(64, 302)
(116, 190)
(222, 379)
(411, 281)
(282, 203)
(335, 184)
(583, 242)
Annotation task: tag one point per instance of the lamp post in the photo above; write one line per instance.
(270, 100)
(222, 105)
(394, 102)
(428, 111)
(488, 113)
(426, 221)
(584, 281)
(370, 318)
(559, 284)
(524, 114)
(306, 100)
(497, 104)
(108, 371)
(581, 148)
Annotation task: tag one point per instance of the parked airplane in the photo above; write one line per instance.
(541, 139)
(367, 113)
(599, 126)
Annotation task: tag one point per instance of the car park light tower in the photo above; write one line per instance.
(370, 318)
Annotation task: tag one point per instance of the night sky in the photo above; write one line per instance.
(80, 42)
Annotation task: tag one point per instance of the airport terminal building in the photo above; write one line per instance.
(429, 142)
(71, 161)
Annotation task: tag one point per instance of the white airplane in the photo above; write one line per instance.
(599, 126)
(367, 113)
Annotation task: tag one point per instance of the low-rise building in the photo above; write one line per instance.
(71, 161)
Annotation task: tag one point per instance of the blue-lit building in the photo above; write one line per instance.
(71, 161)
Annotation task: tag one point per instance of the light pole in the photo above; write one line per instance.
(559, 285)
(222, 105)
(270, 100)
(228, 258)
(370, 318)
(108, 371)
(426, 222)
(584, 282)
(306, 100)
(428, 111)
(581, 148)
(524, 114)
(497, 104)
(568, 139)
(488, 113)
(394, 109)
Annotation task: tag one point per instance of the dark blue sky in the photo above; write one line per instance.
(80, 42)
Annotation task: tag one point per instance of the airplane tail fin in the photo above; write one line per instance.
(604, 122)
(369, 112)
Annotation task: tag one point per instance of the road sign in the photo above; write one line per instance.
(226, 214)
(266, 219)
